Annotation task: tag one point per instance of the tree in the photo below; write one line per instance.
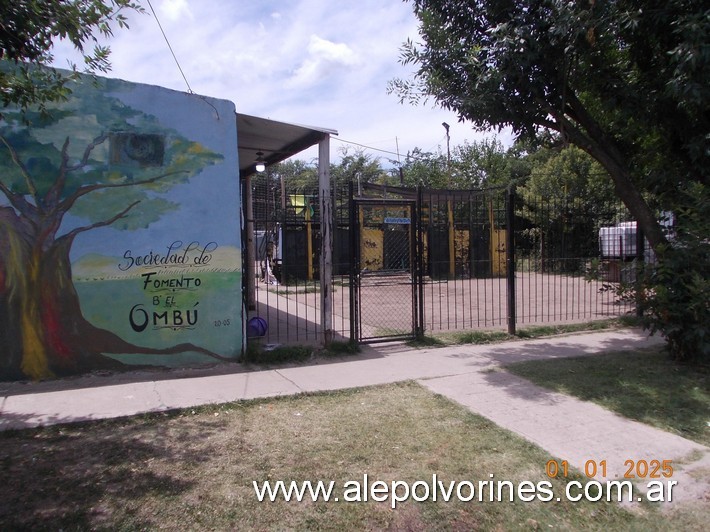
(297, 175)
(357, 167)
(28, 31)
(566, 199)
(46, 175)
(425, 169)
(674, 296)
(483, 164)
(626, 81)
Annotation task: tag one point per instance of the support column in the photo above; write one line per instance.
(250, 247)
(326, 249)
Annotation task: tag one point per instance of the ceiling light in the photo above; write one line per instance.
(260, 164)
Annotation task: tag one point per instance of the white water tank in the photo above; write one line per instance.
(618, 241)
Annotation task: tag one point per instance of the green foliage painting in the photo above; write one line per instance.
(106, 198)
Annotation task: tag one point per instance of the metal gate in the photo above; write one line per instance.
(385, 281)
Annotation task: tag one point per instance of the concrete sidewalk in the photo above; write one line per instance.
(567, 428)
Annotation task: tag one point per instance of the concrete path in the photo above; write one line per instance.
(579, 432)
(567, 428)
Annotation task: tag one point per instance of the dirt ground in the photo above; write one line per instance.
(386, 305)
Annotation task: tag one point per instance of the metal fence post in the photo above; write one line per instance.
(510, 256)
(640, 256)
(354, 266)
(418, 264)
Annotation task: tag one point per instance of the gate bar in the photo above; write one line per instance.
(419, 264)
(354, 263)
(510, 256)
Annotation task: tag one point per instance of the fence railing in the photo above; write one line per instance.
(490, 259)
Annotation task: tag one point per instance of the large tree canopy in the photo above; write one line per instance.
(29, 29)
(626, 81)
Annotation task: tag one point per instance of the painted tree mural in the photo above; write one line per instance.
(112, 169)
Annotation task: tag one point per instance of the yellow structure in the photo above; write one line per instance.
(497, 246)
(498, 252)
(459, 252)
(372, 248)
(302, 205)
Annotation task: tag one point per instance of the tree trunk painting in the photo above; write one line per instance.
(43, 332)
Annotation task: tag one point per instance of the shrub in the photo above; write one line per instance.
(277, 355)
(674, 292)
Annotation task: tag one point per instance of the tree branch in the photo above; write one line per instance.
(87, 152)
(55, 192)
(594, 131)
(8, 215)
(596, 143)
(72, 234)
(52, 196)
(83, 191)
(551, 125)
(17, 200)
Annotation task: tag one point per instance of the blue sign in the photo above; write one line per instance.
(400, 221)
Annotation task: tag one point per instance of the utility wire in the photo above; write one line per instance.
(363, 145)
(189, 89)
(377, 149)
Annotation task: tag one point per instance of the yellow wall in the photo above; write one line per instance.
(498, 252)
(371, 248)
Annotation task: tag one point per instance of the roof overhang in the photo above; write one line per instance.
(276, 140)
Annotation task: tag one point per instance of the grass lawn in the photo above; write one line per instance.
(644, 385)
(441, 339)
(193, 469)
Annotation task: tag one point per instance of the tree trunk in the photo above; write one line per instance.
(632, 198)
(599, 145)
(10, 344)
(19, 297)
(46, 334)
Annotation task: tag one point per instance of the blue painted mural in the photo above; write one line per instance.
(120, 230)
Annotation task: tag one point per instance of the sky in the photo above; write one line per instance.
(322, 63)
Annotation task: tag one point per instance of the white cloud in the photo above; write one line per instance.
(330, 51)
(314, 62)
(324, 59)
(175, 10)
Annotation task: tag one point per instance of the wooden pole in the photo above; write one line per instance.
(326, 251)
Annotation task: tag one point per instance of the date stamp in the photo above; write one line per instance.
(634, 469)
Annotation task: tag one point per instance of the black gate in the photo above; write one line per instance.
(385, 280)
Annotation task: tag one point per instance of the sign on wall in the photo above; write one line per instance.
(119, 232)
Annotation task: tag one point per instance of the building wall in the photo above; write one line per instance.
(120, 233)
